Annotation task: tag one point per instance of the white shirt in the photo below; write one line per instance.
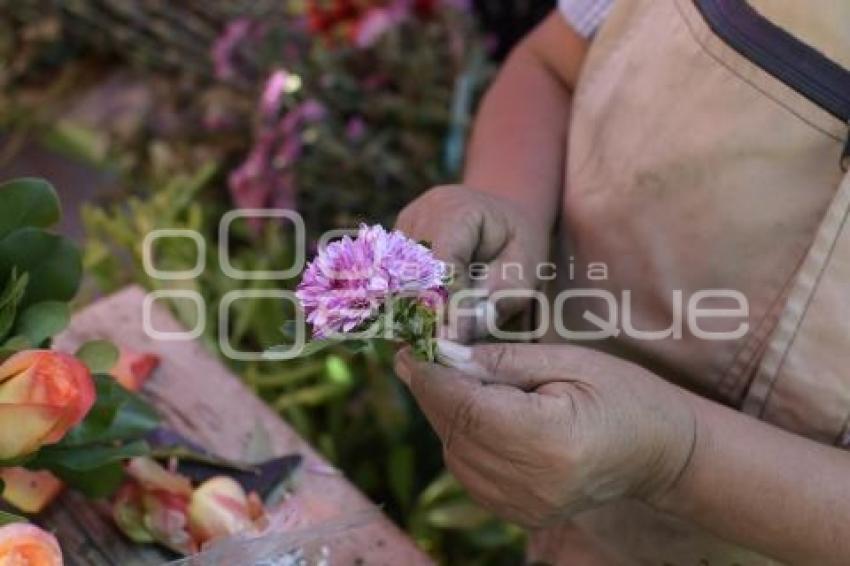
(585, 16)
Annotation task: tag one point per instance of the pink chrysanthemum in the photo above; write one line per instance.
(348, 282)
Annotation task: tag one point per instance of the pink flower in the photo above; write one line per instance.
(273, 91)
(225, 45)
(376, 23)
(266, 178)
(346, 285)
(355, 129)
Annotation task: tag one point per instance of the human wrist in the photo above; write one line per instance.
(674, 496)
(685, 445)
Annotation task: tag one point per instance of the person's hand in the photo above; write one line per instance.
(537, 433)
(465, 226)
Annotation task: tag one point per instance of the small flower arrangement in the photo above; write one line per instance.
(378, 285)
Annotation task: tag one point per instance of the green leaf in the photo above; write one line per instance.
(43, 320)
(99, 355)
(27, 202)
(52, 262)
(14, 289)
(402, 473)
(13, 293)
(7, 518)
(61, 459)
(309, 349)
(14, 345)
(117, 415)
(458, 515)
(94, 483)
(338, 370)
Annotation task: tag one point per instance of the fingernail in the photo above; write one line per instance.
(452, 352)
(458, 356)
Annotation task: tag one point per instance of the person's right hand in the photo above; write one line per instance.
(465, 226)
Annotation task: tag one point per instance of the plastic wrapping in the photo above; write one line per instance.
(310, 546)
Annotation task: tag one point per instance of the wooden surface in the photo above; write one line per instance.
(201, 399)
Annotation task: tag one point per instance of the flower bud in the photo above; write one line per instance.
(133, 369)
(43, 394)
(152, 506)
(219, 507)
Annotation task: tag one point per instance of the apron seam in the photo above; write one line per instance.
(799, 322)
(699, 41)
(743, 358)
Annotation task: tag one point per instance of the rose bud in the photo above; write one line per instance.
(165, 518)
(219, 507)
(153, 504)
(133, 369)
(43, 394)
(129, 513)
(25, 544)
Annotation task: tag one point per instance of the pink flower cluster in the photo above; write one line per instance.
(266, 177)
(349, 281)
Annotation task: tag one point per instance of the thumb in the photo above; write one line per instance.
(524, 366)
(450, 399)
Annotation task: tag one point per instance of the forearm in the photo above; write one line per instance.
(764, 488)
(519, 140)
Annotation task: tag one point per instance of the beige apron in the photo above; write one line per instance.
(690, 168)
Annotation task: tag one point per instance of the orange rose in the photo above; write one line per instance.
(27, 545)
(43, 394)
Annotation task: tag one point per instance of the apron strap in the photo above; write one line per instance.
(777, 52)
(798, 65)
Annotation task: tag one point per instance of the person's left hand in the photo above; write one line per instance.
(537, 433)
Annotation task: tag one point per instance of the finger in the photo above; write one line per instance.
(454, 403)
(451, 231)
(510, 281)
(524, 366)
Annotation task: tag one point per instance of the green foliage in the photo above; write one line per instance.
(444, 514)
(40, 321)
(40, 271)
(28, 202)
(100, 356)
(90, 457)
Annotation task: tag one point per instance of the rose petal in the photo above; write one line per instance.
(23, 543)
(25, 427)
(152, 476)
(28, 490)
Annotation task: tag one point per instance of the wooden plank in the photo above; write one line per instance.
(203, 400)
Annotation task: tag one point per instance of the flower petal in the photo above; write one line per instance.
(24, 427)
(23, 543)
